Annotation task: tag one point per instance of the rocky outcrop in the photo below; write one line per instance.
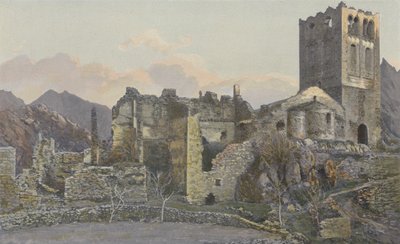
(20, 129)
(390, 99)
(77, 110)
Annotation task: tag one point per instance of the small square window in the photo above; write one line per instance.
(218, 182)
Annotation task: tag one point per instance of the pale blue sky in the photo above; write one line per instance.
(231, 39)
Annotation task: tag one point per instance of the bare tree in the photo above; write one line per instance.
(314, 196)
(117, 198)
(276, 153)
(161, 183)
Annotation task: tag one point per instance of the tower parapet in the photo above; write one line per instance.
(339, 52)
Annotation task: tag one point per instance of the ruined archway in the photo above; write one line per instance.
(280, 126)
(363, 134)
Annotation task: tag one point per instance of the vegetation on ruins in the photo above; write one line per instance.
(277, 153)
(117, 199)
(161, 184)
(124, 151)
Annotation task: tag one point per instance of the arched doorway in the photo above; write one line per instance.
(363, 134)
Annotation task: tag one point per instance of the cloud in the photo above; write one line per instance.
(152, 39)
(174, 76)
(395, 62)
(99, 83)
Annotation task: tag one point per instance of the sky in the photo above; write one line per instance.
(95, 49)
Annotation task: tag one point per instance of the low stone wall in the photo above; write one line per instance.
(335, 146)
(38, 218)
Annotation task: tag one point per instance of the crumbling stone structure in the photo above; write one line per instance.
(312, 113)
(154, 131)
(339, 52)
(220, 183)
(7, 161)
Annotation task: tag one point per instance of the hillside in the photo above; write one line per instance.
(390, 96)
(77, 110)
(9, 101)
(20, 129)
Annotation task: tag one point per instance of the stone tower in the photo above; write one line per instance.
(95, 138)
(339, 52)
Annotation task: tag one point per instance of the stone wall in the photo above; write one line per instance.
(96, 184)
(311, 113)
(320, 56)
(9, 200)
(65, 165)
(221, 181)
(7, 161)
(195, 186)
(339, 52)
(158, 126)
(23, 220)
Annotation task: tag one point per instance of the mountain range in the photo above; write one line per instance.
(20, 128)
(66, 118)
(77, 110)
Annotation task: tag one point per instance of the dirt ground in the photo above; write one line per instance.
(128, 232)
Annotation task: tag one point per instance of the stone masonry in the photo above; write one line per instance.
(7, 161)
(339, 52)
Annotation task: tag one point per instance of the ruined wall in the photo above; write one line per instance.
(95, 184)
(178, 150)
(320, 56)
(222, 132)
(9, 200)
(7, 161)
(320, 123)
(88, 184)
(297, 124)
(65, 165)
(195, 186)
(222, 180)
(158, 127)
(311, 113)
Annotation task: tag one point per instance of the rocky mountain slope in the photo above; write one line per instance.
(77, 110)
(9, 101)
(20, 128)
(390, 79)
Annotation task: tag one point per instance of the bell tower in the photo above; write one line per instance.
(339, 52)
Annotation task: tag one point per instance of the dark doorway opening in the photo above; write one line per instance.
(363, 134)
(210, 199)
(280, 126)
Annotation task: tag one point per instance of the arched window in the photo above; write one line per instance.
(355, 29)
(328, 118)
(328, 21)
(362, 134)
(368, 59)
(365, 25)
(353, 56)
(350, 20)
(371, 30)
